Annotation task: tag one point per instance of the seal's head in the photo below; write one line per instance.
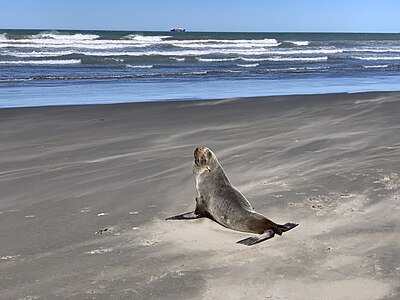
(203, 158)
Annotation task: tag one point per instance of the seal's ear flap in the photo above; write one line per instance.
(209, 154)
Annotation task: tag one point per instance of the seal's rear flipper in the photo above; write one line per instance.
(287, 226)
(185, 216)
(257, 239)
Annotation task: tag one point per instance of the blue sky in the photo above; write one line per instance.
(204, 15)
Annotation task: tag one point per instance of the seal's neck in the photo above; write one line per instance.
(197, 170)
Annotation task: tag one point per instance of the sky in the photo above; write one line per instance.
(204, 15)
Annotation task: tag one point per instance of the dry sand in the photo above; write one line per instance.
(328, 162)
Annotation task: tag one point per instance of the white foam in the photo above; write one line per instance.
(146, 38)
(374, 50)
(293, 52)
(171, 53)
(300, 43)
(41, 62)
(114, 59)
(376, 66)
(248, 65)
(37, 54)
(310, 51)
(195, 73)
(139, 66)
(79, 41)
(198, 53)
(319, 58)
(298, 58)
(223, 44)
(65, 37)
(178, 58)
(70, 44)
(217, 59)
(377, 57)
(111, 49)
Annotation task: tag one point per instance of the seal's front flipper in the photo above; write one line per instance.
(186, 216)
(257, 239)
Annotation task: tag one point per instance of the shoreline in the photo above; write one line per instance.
(239, 98)
(328, 162)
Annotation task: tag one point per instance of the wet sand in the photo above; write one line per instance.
(328, 162)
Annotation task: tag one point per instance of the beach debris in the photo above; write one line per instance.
(29, 298)
(105, 230)
(8, 257)
(99, 251)
(102, 214)
(345, 195)
(389, 181)
(148, 242)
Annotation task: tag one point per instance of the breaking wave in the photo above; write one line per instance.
(377, 57)
(41, 62)
(248, 65)
(139, 67)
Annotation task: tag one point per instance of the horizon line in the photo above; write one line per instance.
(202, 31)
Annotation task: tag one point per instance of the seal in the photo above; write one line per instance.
(218, 200)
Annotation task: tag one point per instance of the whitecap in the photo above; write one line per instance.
(114, 59)
(377, 57)
(65, 37)
(146, 38)
(223, 44)
(139, 66)
(178, 58)
(375, 50)
(37, 54)
(248, 65)
(195, 73)
(217, 59)
(319, 58)
(376, 66)
(298, 58)
(72, 44)
(41, 62)
(300, 43)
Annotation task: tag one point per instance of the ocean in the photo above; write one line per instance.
(39, 67)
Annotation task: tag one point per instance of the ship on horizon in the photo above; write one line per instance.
(177, 30)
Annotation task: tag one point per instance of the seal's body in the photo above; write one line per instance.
(220, 201)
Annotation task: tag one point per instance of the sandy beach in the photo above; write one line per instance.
(328, 162)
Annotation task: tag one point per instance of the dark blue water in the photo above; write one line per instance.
(78, 67)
